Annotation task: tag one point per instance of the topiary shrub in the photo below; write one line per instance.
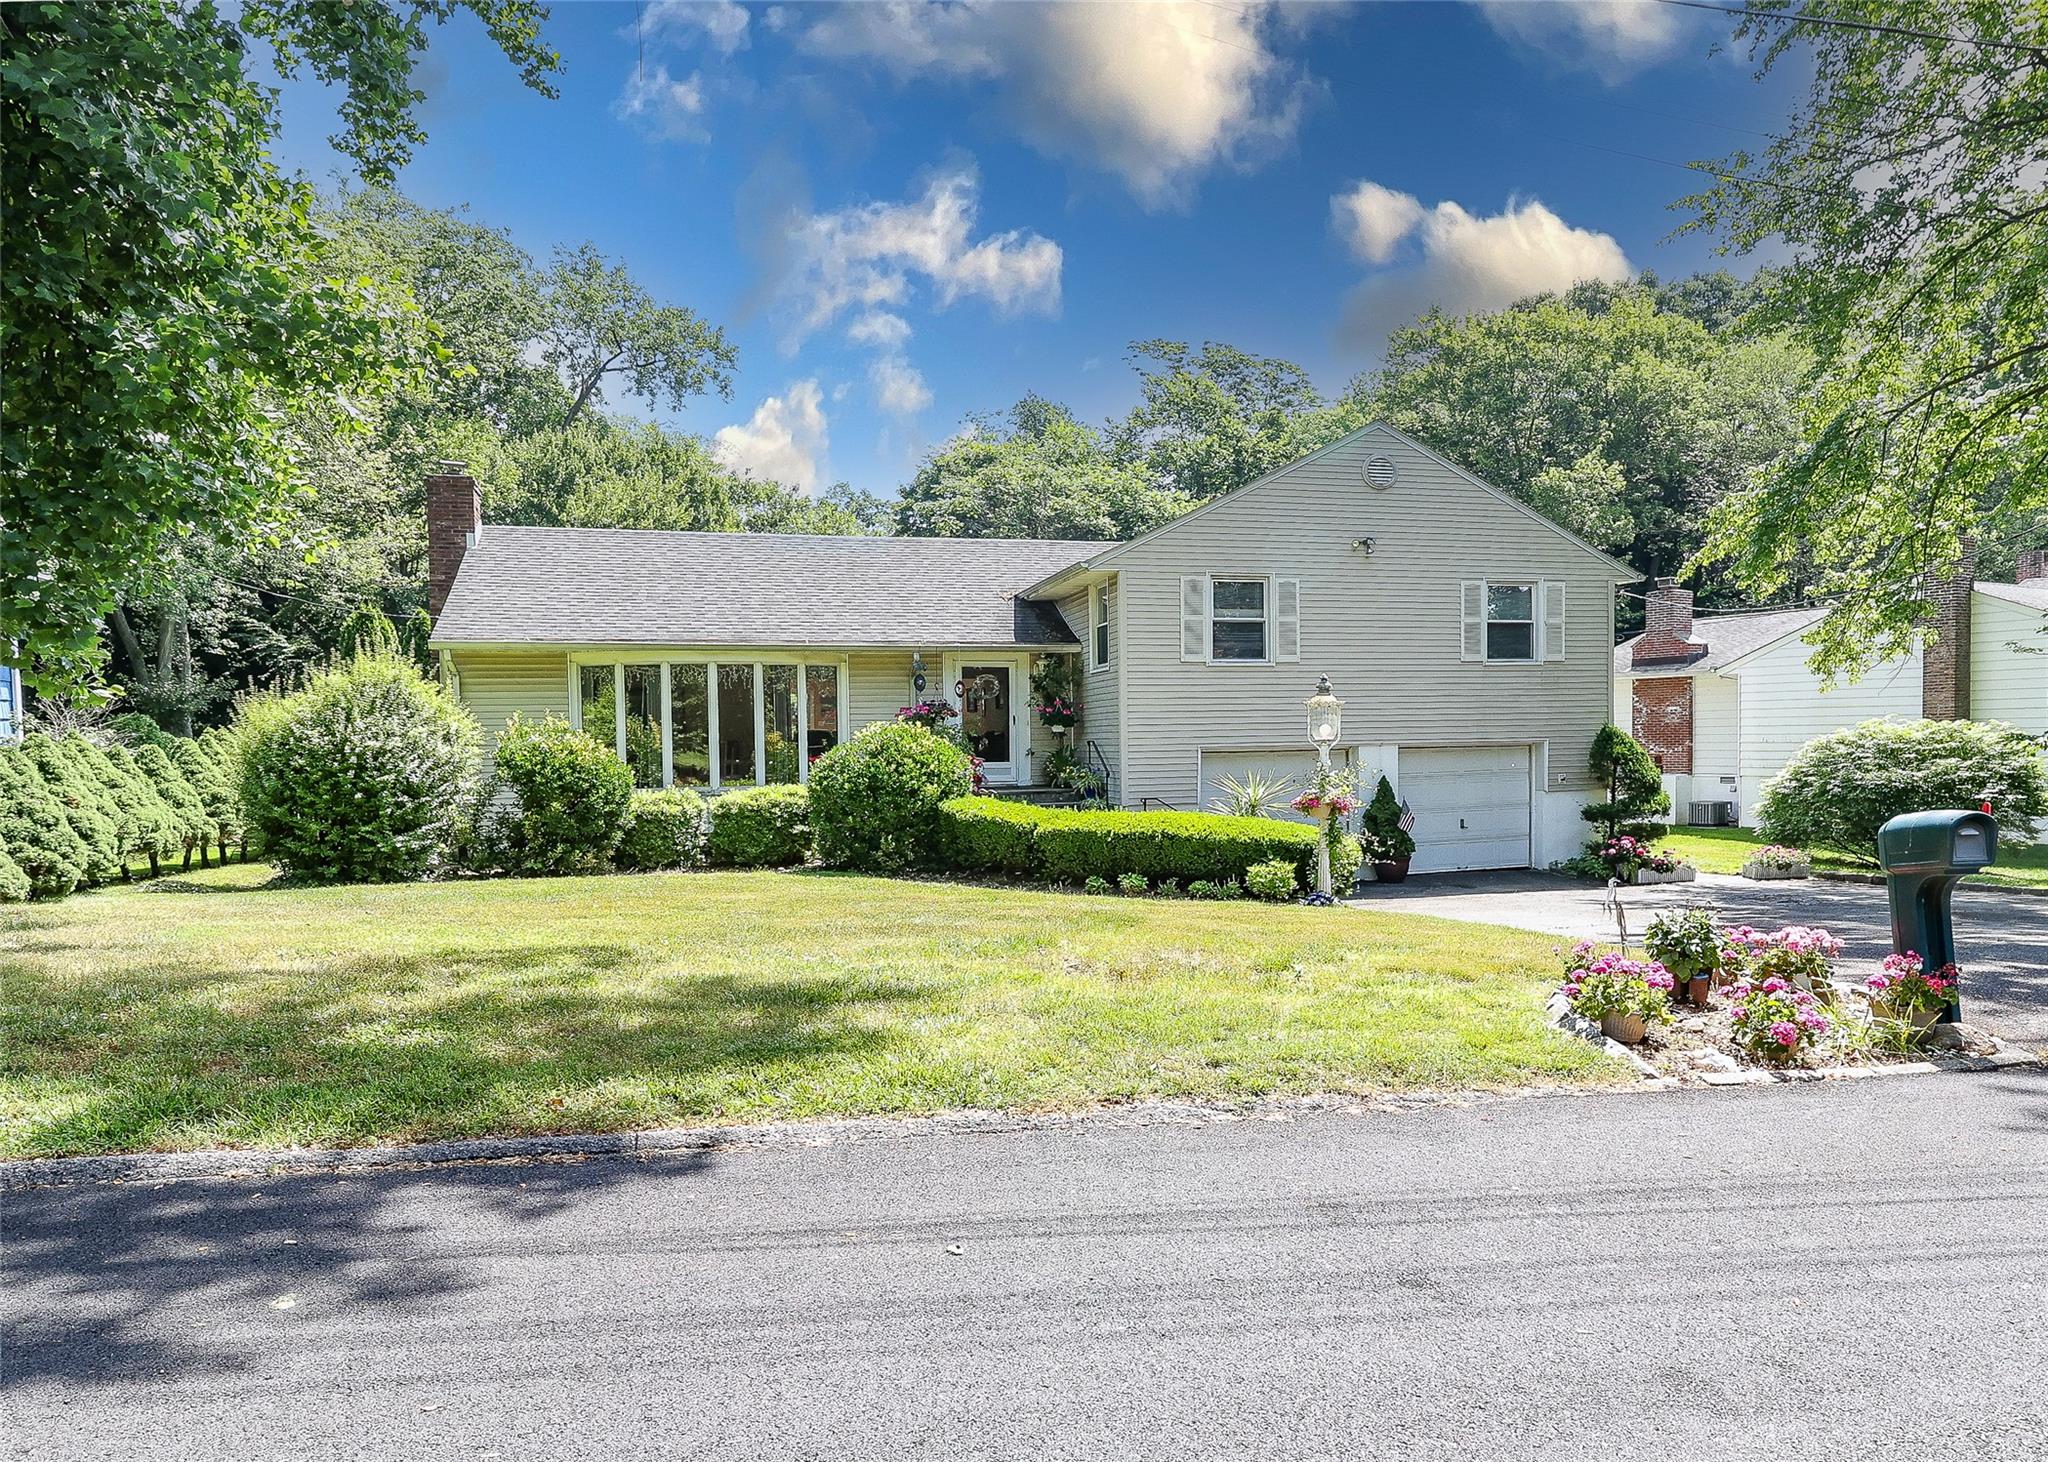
(87, 807)
(761, 827)
(1272, 880)
(663, 830)
(218, 747)
(216, 793)
(39, 837)
(136, 729)
(146, 824)
(988, 834)
(569, 794)
(1635, 788)
(195, 828)
(1839, 789)
(359, 777)
(875, 799)
(14, 885)
(1382, 823)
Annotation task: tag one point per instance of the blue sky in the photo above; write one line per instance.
(906, 213)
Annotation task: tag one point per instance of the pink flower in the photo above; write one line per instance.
(1775, 986)
(1785, 1033)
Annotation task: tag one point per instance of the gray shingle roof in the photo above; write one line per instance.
(2031, 592)
(615, 586)
(1728, 637)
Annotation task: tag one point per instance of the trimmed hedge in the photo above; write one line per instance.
(14, 886)
(1072, 847)
(874, 799)
(195, 829)
(663, 830)
(761, 827)
(86, 807)
(39, 837)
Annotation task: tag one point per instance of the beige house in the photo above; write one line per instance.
(1724, 701)
(1468, 635)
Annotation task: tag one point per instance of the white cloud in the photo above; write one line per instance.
(879, 328)
(1154, 93)
(783, 441)
(1468, 263)
(1614, 39)
(899, 386)
(866, 255)
(662, 105)
(1373, 220)
(722, 23)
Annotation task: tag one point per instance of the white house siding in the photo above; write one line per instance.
(496, 684)
(878, 686)
(2006, 682)
(1100, 693)
(1782, 707)
(1384, 627)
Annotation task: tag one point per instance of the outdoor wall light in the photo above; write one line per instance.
(1365, 545)
(1325, 718)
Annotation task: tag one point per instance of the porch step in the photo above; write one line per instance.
(1039, 796)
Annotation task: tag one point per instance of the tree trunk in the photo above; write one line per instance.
(589, 388)
(124, 636)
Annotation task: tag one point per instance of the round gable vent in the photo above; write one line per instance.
(1379, 472)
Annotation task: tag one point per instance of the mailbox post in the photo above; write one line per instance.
(1923, 854)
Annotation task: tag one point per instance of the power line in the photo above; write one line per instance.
(1801, 18)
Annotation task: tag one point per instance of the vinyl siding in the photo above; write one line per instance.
(2006, 682)
(1782, 707)
(497, 684)
(1099, 692)
(879, 686)
(1385, 627)
(1716, 716)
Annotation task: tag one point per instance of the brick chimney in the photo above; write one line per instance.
(1667, 626)
(2033, 564)
(1945, 659)
(455, 515)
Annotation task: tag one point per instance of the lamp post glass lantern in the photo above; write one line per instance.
(1325, 725)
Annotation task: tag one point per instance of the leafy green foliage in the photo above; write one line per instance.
(367, 631)
(989, 834)
(138, 729)
(663, 830)
(14, 883)
(38, 836)
(1272, 880)
(1389, 841)
(357, 778)
(216, 789)
(145, 822)
(570, 795)
(875, 798)
(1034, 472)
(1635, 787)
(1921, 290)
(761, 827)
(602, 323)
(195, 829)
(1211, 420)
(1841, 788)
(1347, 855)
(87, 807)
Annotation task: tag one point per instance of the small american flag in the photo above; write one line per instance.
(1407, 817)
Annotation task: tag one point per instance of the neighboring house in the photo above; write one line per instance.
(1468, 635)
(10, 704)
(1723, 701)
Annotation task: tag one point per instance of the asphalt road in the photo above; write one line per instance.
(2001, 936)
(1853, 1270)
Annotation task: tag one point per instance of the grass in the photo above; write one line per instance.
(208, 1010)
(1726, 849)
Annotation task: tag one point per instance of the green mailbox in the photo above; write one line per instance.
(1923, 854)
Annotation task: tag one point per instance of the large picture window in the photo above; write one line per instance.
(1511, 621)
(689, 719)
(713, 723)
(1237, 619)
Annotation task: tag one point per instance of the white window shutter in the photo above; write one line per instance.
(1553, 620)
(1472, 606)
(1287, 619)
(1194, 617)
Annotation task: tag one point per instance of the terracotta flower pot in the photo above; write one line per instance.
(1697, 988)
(1394, 872)
(1628, 1029)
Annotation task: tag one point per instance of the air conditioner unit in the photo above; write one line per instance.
(1710, 814)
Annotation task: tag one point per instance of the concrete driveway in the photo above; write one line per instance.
(2001, 936)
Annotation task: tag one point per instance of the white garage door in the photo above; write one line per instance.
(1291, 767)
(1471, 806)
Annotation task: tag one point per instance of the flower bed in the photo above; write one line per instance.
(1778, 862)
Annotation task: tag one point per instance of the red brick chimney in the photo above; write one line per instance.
(455, 515)
(1945, 658)
(2033, 564)
(1667, 626)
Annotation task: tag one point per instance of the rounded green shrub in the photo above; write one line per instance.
(875, 799)
(988, 834)
(1346, 855)
(663, 830)
(195, 828)
(39, 837)
(1839, 789)
(14, 885)
(137, 729)
(359, 777)
(568, 795)
(145, 822)
(1272, 880)
(87, 807)
(367, 631)
(761, 827)
(215, 788)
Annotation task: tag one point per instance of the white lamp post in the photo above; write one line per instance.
(1325, 725)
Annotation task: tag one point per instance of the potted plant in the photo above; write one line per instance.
(1774, 1020)
(1055, 696)
(1627, 996)
(1388, 846)
(1688, 943)
(1802, 956)
(1778, 861)
(1905, 991)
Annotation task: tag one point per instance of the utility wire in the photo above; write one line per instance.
(1800, 18)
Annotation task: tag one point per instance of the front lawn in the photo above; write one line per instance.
(1726, 849)
(206, 1010)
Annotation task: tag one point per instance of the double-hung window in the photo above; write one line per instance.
(1512, 621)
(1237, 619)
(1101, 611)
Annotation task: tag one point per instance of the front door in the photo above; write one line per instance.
(988, 695)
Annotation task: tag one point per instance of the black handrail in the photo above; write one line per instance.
(1098, 767)
(1145, 804)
